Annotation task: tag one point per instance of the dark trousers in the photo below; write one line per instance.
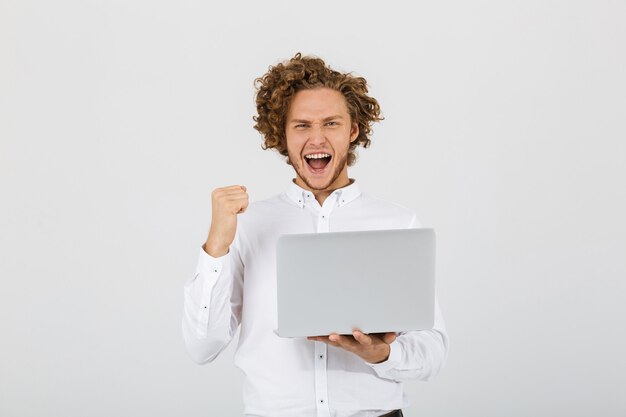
(396, 413)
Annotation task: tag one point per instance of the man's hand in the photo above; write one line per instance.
(372, 348)
(227, 203)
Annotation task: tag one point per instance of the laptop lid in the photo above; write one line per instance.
(374, 281)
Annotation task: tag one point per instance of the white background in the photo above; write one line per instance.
(504, 130)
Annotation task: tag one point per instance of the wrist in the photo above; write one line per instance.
(215, 250)
(384, 355)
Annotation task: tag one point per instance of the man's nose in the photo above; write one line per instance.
(317, 134)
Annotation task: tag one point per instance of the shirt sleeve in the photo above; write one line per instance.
(212, 304)
(417, 354)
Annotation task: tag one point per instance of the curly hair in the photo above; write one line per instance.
(277, 87)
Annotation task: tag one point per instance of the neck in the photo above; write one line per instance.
(321, 195)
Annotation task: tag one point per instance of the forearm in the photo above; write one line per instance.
(211, 308)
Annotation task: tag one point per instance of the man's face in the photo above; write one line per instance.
(319, 132)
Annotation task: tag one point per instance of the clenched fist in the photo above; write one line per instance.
(227, 203)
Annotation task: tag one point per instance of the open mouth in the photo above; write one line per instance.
(318, 161)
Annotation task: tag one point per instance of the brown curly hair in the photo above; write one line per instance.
(277, 87)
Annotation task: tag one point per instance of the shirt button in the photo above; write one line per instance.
(321, 356)
(321, 401)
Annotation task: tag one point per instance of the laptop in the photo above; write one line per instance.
(373, 281)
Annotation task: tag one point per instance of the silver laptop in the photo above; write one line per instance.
(374, 281)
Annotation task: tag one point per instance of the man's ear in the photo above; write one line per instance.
(354, 132)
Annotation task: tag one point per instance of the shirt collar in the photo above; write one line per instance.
(344, 195)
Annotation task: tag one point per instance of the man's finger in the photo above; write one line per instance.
(323, 339)
(389, 337)
(362, 338)
(345, 342)
(225, 198)
(232, 189)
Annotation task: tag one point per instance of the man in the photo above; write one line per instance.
(316, 117)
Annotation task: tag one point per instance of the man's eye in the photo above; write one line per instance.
(332, 124)
(301, 126)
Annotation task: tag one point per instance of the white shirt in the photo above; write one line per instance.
(298, 377)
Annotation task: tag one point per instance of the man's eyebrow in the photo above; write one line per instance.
(325, 119)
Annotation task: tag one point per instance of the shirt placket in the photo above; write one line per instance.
(321, 349)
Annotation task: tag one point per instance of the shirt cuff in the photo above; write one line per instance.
(395, 356)
(210, 264)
